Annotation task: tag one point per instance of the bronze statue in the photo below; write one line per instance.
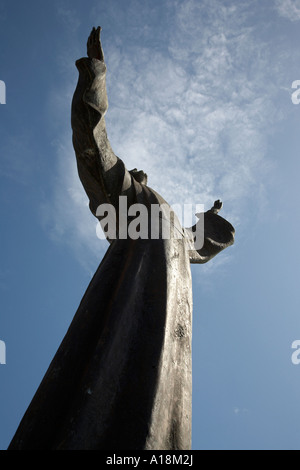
(122, 376)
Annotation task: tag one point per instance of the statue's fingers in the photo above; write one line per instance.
(93, 33)
(94, 38)
(91, 36)
(97, 34)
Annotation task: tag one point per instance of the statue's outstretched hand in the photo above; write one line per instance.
(217, 206)
(94, 48)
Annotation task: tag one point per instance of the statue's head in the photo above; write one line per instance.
(139, 176)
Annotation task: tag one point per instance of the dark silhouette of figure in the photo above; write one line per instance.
(122, 377)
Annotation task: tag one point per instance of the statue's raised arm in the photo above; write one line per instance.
(101, 172)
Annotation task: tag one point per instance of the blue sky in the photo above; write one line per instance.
(200, 98)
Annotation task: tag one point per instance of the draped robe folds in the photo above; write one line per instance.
(122, 376)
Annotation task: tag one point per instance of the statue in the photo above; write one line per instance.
(122, 376)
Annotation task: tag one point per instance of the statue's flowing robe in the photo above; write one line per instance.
(122, 376)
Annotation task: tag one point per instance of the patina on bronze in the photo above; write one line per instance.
(122, 376)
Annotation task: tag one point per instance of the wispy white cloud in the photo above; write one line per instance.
(17, 157)
(239, 411)
(204, 106)
(289, 9)
(195, 113)
(66, 217)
